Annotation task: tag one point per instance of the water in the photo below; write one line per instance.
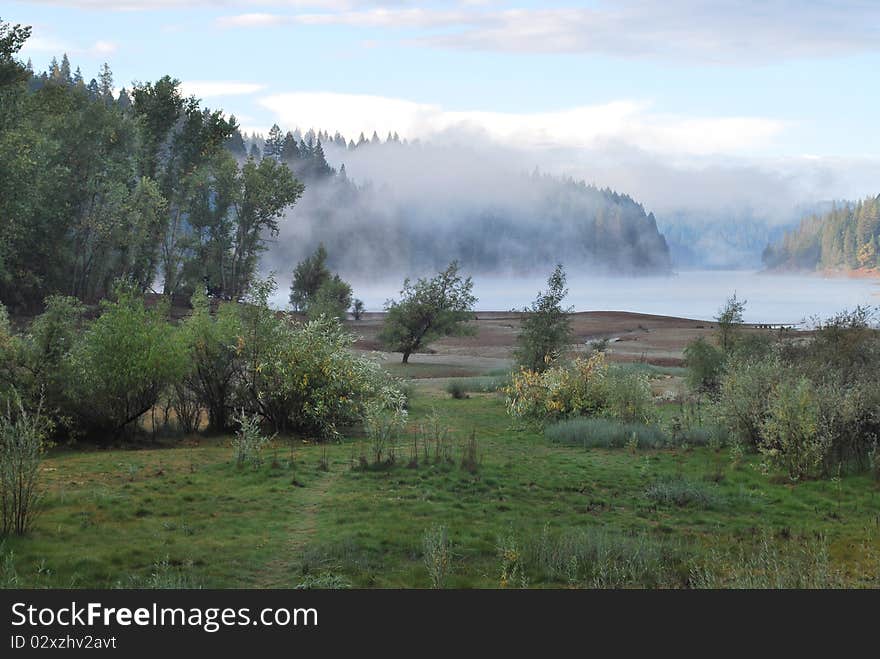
(689, 294)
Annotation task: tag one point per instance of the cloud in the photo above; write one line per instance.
(44, 42)
(214, 88)
(150, 5)
(625, 121)
(719, 32)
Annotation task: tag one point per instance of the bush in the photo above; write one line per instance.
(457, 390)
(249, 441)
(793, 437)
(22, 442)
(704, 365)
(9, 358)
(605, 433)
(211, 342)
(744, 396)
(586, 387)
(304, 377)
(122, 364)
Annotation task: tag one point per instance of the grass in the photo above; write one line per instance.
(187, 515)
(605, 433)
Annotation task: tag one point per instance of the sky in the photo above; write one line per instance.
(780, 86)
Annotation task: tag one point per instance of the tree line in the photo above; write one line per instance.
(96, 187)
(846, 237)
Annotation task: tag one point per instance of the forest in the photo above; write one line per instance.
(845, 238)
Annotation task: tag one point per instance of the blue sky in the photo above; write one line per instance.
(756, 81)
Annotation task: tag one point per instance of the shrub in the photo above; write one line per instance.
(249, 441)
(793, 437)
(743, 399)
(304, 377)
(9, 358)
(704, 365)
(437, 554)
(586, 387)
(210, 341)
(384, 422)
(628, 396)
(605, 433)
(457, 390)
(22, 443)
(121, 365)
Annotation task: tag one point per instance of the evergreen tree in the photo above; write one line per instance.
(274, 143)
(105, 83)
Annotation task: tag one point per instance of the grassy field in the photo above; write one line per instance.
(532, 513)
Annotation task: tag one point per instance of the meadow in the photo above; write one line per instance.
(530, 513)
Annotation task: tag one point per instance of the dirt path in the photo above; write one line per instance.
(279, 573)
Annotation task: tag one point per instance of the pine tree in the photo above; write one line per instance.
(289, 149)
(64, 72)
(105, 83)
(274, 143)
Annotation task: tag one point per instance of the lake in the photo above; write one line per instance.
(690, 293)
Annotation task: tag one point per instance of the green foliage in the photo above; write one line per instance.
(545, 329)
(729, 319)
(438, 555)
(456, 389)
(95, 188)
(122, 364)
(308, 276)
(793, 438)
(704, 366)
(304, 377)
(249, 441)
(22, 443)
(357, 308)
(210, 341)
(586, 387)
(744, 396)
(332, 300)
(428, 309)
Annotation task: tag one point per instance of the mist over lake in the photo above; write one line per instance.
(689, 293)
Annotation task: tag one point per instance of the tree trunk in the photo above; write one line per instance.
(406, 357)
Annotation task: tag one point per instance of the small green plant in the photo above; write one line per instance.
(22, 445)
(437, 554)
(510, 554)
(457, 390)
(249, 441)
(384, 425)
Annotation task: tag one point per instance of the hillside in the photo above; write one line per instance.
(845, 238)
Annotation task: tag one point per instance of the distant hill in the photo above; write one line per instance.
(415, 206)
(847, 237)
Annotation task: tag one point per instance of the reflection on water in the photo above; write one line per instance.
(690, 294)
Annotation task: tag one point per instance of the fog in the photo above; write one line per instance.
(505, 212)
(689, 294)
